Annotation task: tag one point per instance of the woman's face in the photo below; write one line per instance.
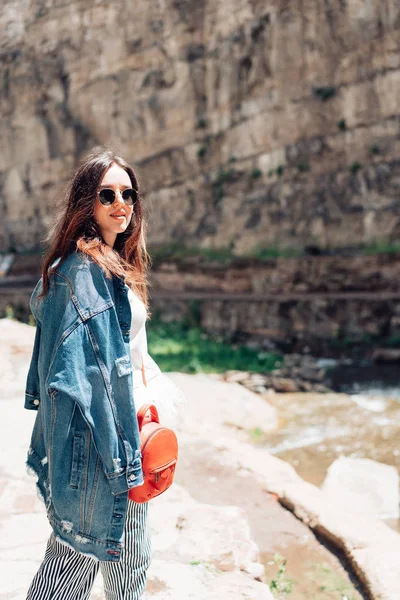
(118, 180)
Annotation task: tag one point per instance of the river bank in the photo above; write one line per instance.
(216, 433)
(261, 526)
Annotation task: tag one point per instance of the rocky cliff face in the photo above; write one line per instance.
(252, 123)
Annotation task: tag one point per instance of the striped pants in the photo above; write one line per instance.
(69, 575)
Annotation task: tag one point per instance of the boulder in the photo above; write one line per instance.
(200, 551)
(369, 487)
(386, 355)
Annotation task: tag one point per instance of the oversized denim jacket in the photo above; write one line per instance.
(85, 447)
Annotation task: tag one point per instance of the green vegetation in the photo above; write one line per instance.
(278, 171)
(178, 347)
(324, 93)
(267, 252)
(9, 312)
(342, 125)
(383, 247)
(392, 342)
(303, 166)
(201, 152)
(354, 167)
(219, 193)
(333, 582)
(226, 176)
(374, 149)
(201, 123)
(232, 159)
(178, 251)
(18, 312)
(280, 585)
(258, 436)
(256, 173)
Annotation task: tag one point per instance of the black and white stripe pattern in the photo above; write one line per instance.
(68, 575)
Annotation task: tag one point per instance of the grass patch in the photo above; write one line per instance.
(178, 251)
(177, 347)
(267, 252)
(383, 247)
(280, 585)
(330, 582)
(258, 436)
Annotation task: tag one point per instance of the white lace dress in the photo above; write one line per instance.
(160, 389)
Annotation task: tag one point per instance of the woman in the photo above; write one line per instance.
(90, 371)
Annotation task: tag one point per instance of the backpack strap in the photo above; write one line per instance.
(143, 410)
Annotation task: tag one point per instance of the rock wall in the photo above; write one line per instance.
(291, 277)
(252, 124)
(326, 303)
(326, 327)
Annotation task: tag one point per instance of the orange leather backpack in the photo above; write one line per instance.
(159, 449)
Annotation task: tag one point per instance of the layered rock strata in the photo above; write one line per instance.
(252, 124)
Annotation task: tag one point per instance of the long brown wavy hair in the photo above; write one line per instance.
(76, 229)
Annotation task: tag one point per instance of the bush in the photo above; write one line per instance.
(279, 170)
(226, 176)
(201, 152)
(354, 167)
(374, 149)
(342, 125)
(303, 166)
(256, 173)
(325, 93)
(201, 123)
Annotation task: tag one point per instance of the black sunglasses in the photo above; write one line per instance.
(107, 196)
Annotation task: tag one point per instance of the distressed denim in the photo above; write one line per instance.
(85, 445)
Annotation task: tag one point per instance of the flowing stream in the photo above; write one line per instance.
(361, 419)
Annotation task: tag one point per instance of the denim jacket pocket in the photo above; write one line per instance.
(124, 365)
(76, 466)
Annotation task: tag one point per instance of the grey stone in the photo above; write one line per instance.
(371, 486)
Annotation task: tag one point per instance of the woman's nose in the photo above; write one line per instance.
(118, 198)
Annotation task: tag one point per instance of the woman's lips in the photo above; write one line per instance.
(119, 217)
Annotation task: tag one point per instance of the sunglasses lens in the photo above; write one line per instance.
(107, 196)
(129, 196)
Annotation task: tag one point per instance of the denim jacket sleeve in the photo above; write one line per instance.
(32, 390)
(85, 364)
(86, 372)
